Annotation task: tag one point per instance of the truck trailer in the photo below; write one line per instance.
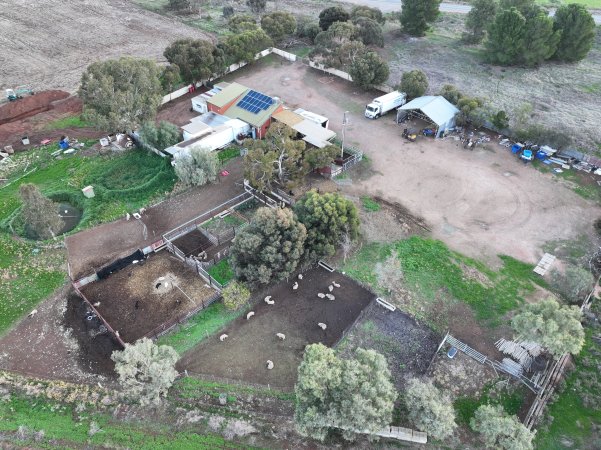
(384, 104)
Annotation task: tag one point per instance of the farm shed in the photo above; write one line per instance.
(311, 131)
(434, 109)
(199, 103)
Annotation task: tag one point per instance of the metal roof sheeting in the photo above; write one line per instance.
(437, 108)
(227, 95)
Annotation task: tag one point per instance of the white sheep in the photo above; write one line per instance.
(32, 313)
(330, 288)
(96, 305)
(295, 285)
(300, 276)
(321, 325)
(281, 336)
(269, 364)
(269, 302)
(127, 216)
(335, 284)
(330, 297)
(267, 298)
(223, 337)
(117, 333)
(320, 295)
(250, 314)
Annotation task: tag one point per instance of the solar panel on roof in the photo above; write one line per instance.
(254, 102)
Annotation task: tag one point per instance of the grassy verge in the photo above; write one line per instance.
(575, 180)
(68, 122)
(29, 273)
(191, 387)
(430, 268)
(510, 400)
(575, 416)
(40, 424)
(228, 153)
(199, 327)
(222, 272)
(370, 204)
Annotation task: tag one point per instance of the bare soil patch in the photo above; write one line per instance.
(55, 343)
(407, 345)
(481, 203)
(250, 343)
(30, 105)
(460, 376)
(141, 297)
(91, 249)
(76, 34)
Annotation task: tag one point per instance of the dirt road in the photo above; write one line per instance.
(482, 203)
(49, 43)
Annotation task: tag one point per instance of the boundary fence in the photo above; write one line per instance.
(168, 326)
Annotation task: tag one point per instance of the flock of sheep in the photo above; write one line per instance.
(269, 301)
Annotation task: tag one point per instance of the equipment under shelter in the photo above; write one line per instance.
(434, 109)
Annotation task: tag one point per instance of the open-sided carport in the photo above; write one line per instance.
(434, 109)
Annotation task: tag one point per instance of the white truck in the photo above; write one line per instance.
(385, 103)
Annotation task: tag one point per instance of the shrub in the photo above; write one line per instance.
(235, 295)
(414, 83)
(574, 284)
(197, 168)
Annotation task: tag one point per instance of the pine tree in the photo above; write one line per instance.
(577, 32)
(478, 19)
(506, 37)
(417, 15)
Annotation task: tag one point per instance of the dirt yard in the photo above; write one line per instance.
(407, 345)
(48, 44)
(141, 297)
(250, 343)
(481, 203)
(91, 249)
(55, 343)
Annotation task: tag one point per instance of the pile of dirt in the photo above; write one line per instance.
(30, 105)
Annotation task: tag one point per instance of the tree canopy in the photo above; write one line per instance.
(369, 69)
(197, 168)
(417, 15)
(278, 25)
(368, 12)
(197, 59)
(242, 22)
(505, 37)
(429, 409)
(278, 157)
(369, 31)
(414, 83)
(120, 94)
(578, 30)
(354, 395)
(331, 15)
(555, 327)
(540, 38)
(160, 137)
(244, 46)
(39, 213)
(257, 6)
(327, 218)
(478, 19)
(269, 248)
(146, 370)
(500, 430)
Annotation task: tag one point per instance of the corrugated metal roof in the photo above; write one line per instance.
(231, 92)
(196, 127)
(313, 133)
(437, 108)
(288, 117)
(256, 120)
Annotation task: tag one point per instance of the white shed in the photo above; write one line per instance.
(435, 109)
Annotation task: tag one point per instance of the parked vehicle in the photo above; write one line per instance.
(18, 92)
(384, 104)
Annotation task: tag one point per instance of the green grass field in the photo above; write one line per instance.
(200, 326)
(46, 424)
(511, 400)
(68, 122)
(222, 272)
(430, 269)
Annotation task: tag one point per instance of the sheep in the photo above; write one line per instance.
(335, 284)
(267, 298)
(321, 325)
(250, 314)
(295, 285)
(32, 313)
(330, 288)
(300, 276)
(117, 333)
(320, 295)
(281, 336)
(127, 216)
(223, 337)
(269, 302)
(269, 364)
(330, 297)
(96, 305)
